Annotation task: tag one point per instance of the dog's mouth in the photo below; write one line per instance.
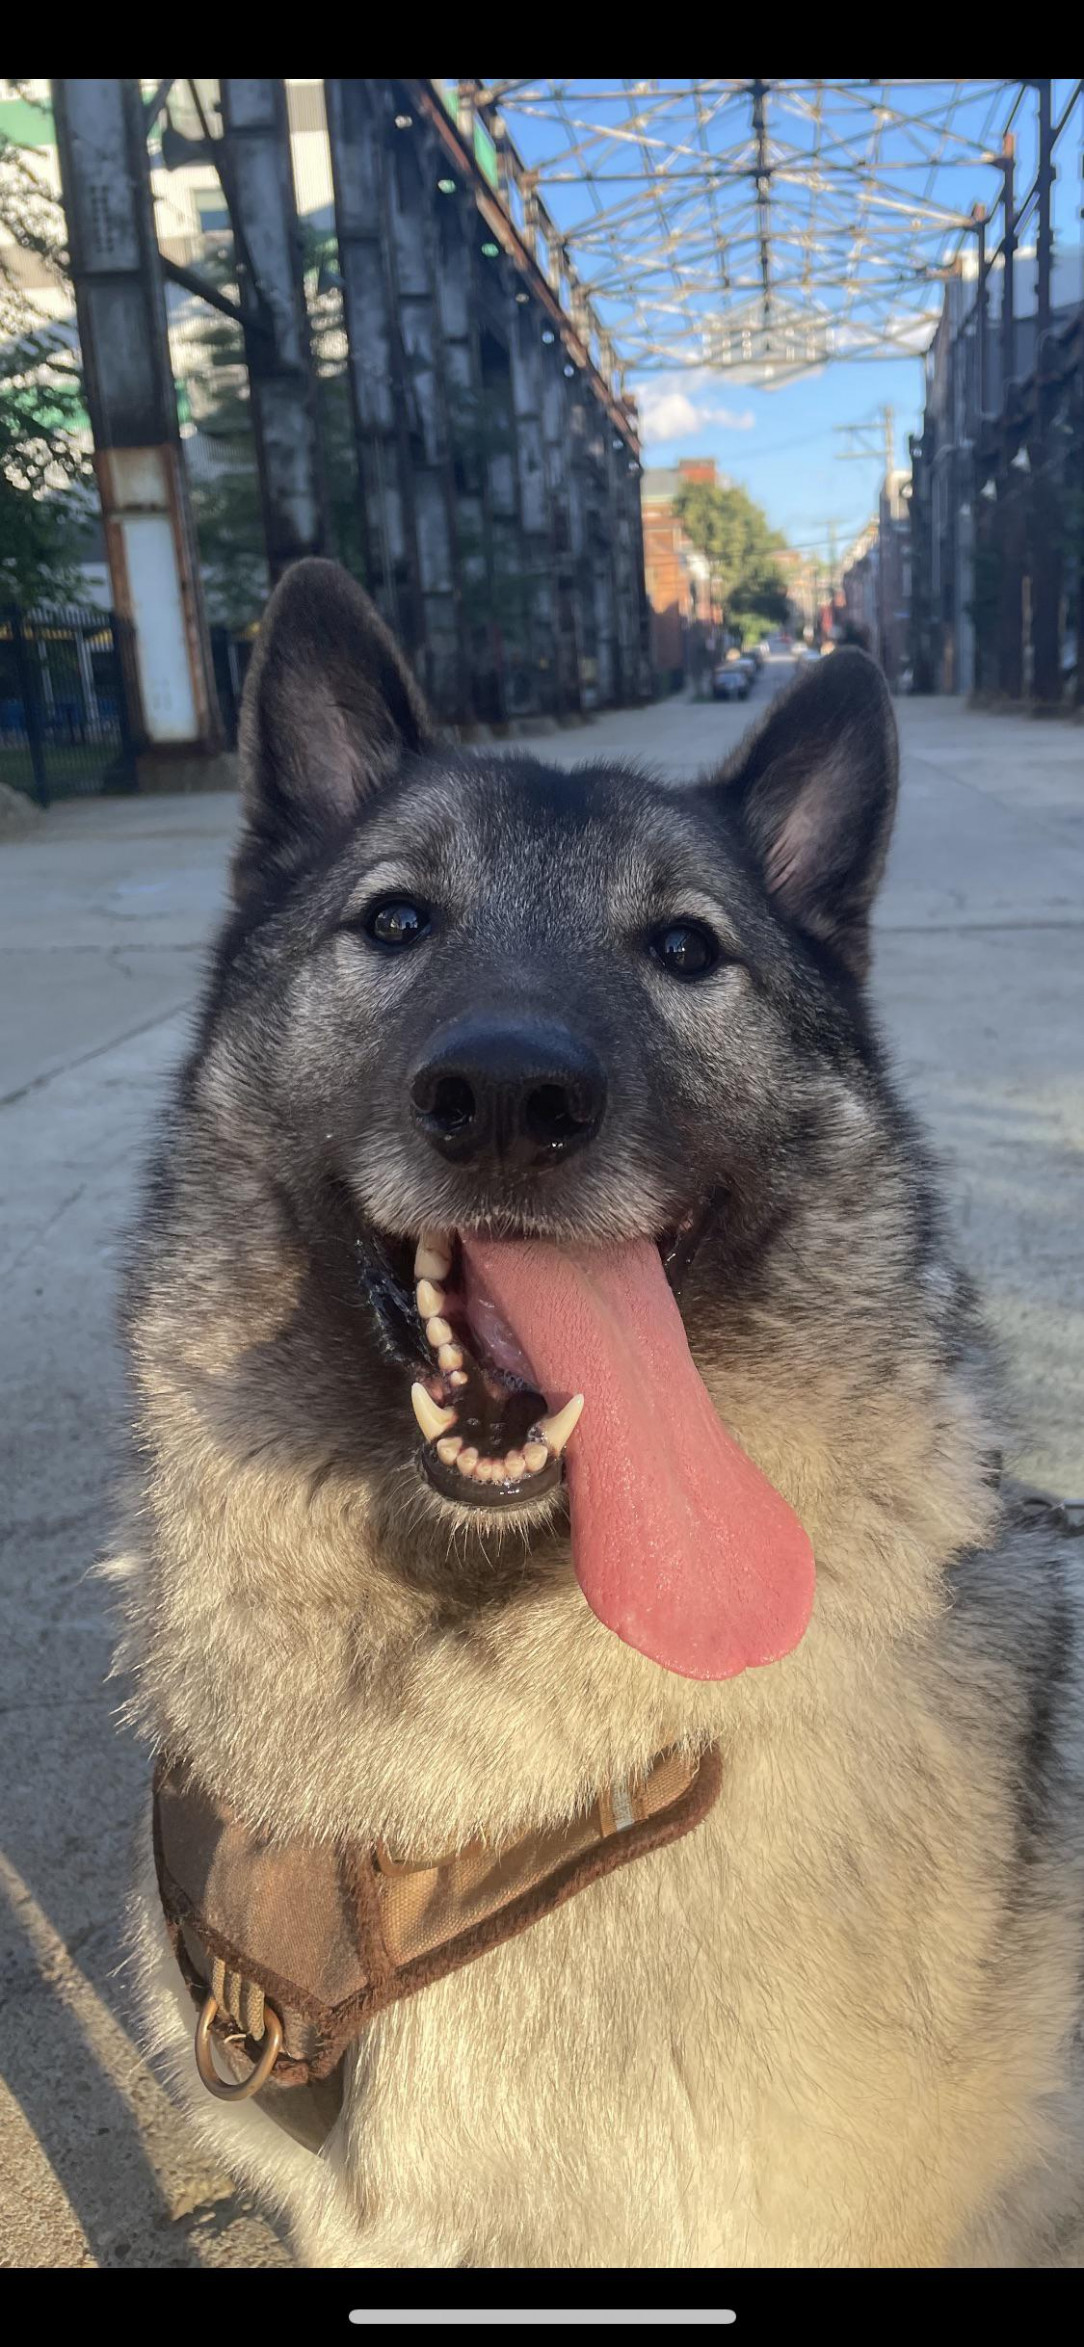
(530, 1362)
(490, 1438)
(485, 1424)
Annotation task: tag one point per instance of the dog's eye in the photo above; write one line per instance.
(686, 949)
(397, 922)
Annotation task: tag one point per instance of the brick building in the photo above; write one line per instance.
(675, 574)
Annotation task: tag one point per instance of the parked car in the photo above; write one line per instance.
(733, 681)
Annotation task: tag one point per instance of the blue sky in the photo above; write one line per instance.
(781, 441)
(784, 448)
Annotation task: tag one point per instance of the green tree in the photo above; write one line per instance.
(747, 585)
(46, 494)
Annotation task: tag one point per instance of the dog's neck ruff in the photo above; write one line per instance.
(290, 1947)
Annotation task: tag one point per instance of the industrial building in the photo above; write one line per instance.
(379, 267)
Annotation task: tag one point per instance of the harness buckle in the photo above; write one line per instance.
(234, 2090)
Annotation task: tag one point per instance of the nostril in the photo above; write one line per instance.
(553, 1114)
(449, 1104)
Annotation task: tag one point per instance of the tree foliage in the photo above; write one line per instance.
(748, 587)
(46, 478)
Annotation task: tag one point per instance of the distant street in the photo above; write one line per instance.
(103, 915)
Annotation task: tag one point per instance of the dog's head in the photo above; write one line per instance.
(523, 1046)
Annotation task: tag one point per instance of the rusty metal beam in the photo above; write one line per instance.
(566, 530)
(120, 303)
(1046, 519)
(257, 179)
(632, 673)
(501, 551)
(420, 266)
(505, 233)
(527, 386)
(354, 114)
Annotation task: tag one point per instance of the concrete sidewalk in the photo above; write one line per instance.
(104, 912)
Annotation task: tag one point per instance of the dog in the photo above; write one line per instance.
(539, 1277)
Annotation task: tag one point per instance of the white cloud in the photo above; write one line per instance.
(668, 413)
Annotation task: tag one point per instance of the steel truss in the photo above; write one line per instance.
(759, 227)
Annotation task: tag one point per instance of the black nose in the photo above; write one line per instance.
(521, 1092)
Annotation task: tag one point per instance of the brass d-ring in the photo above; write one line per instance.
(229, 2090)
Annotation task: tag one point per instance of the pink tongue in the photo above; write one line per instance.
(680, 1544)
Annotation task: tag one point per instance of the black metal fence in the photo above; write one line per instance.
(63, 710)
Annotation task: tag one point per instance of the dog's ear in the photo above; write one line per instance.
(814, 793)
(329, 709)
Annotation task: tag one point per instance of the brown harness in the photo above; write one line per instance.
(290, 1947)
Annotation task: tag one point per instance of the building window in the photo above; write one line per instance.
(212, 212)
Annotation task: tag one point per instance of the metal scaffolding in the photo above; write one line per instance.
(998, 466)
(753, 226)
(496, 453)
(503, 252)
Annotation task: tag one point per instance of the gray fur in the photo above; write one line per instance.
(837, 2025)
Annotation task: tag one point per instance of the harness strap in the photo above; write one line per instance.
(308, 1942)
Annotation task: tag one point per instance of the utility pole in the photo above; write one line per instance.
(863, 438)
(825, 572)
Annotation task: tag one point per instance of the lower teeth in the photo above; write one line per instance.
(432, 1266)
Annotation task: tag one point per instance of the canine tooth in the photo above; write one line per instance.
(450, 1357)
(556, 1430)
(535, 1456)
(467, 1461)
(430, 1299)
(438, 1332)
(459, 1377)
(515, 1466)
(432, 1259)
(449, 1447)
(431, 1418)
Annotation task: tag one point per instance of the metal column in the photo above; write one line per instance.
(461, 362)
(567, 529)
(1010, 527)
(525, 350)
(257, 178)
(356, 131)
(415, 268)
(623, 480)
(120, 302)
(1046, 516)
